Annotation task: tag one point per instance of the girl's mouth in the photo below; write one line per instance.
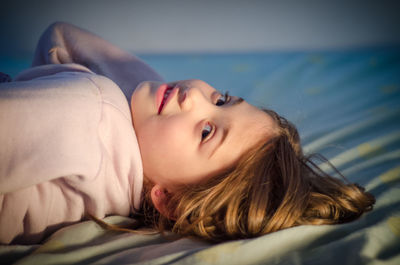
(162, 96)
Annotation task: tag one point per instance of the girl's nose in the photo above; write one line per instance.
(192, 98)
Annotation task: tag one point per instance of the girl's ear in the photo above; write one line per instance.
(159, 197)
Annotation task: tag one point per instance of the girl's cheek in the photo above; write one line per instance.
(176, 137)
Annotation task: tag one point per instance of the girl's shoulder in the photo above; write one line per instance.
(111, 94)
(74, 78)
(47, 70)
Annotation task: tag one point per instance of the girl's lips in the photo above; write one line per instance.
(160, 101)
(160, 95)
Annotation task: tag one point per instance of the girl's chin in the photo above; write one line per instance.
(138, 92)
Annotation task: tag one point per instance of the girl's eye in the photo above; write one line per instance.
(207, 129)
(223, 99)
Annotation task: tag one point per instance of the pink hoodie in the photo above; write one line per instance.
(67, 143)
(68, 147)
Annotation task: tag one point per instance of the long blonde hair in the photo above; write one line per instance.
(273, 187)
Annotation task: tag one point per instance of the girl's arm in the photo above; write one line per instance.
(64, 43)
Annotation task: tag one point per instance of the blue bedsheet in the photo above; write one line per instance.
(346, 105)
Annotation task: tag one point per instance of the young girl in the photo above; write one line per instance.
(92, 130)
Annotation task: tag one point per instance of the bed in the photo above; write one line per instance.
(346, 105)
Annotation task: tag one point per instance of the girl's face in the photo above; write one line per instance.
(195, 132)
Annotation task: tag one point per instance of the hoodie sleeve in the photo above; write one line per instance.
(65, 43)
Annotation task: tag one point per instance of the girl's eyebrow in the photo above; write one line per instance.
(237, 101)
(223, 137)
(225, 130)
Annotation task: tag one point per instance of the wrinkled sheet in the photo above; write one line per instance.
(346, 105)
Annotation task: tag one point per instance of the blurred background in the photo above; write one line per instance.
(179, 26)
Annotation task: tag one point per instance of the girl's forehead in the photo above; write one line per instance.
(248, 127)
